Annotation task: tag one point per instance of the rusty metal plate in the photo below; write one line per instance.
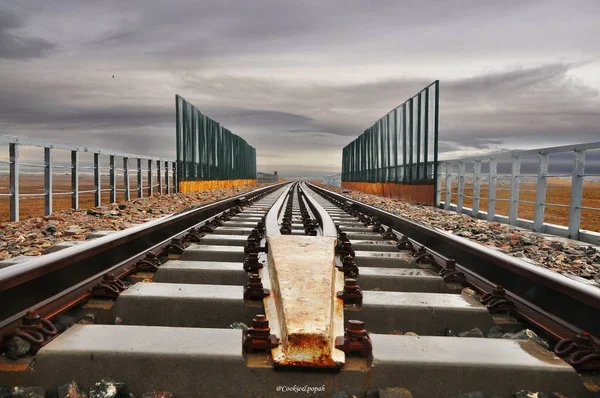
(303, 309)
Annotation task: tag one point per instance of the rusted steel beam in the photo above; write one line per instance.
(303, 309)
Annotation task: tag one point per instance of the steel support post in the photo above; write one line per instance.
(75, 180)
(540, 194)
(14, 181)
(576, 194)
(47, 181)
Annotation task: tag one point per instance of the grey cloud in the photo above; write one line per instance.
(13, 46)
(268, 71)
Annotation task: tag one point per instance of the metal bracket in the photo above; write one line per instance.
(258, 337)
(496, 301)
(356, 340)
(176, 246)
(351, 295)
(254, 291)
(35, 330)
(109, 288)
(148, 264)
(251, 263)
(580, 352)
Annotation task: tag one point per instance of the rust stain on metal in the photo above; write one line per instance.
(303, 308)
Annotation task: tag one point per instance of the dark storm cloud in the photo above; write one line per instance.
(13, 46)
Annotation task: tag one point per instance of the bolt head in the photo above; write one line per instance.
(350, 283)
(260, 322)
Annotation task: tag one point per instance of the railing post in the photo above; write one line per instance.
(448, 197)
(514, 190)
(126, 178)
(150, 177)
(175, 171)
(167, 177)
(491, 211)
(576, 194)
(140, 180)
(14, 181)
(438, 186)
(461, 187)
(476, 187)
(113, 183)
(97, 179)
(540, 194)
(75, 180)
(159, 177)
(47, 181)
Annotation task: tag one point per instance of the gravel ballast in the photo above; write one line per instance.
(561, 255)
(32, 236)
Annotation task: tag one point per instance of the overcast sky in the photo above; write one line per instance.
(299, 80)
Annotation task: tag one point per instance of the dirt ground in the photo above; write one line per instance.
(558, 192)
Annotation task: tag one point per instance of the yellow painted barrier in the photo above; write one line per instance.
(421, 194)
(196, 186)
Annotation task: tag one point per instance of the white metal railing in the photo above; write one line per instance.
(334, 180)
(454, 170)
(162, 175)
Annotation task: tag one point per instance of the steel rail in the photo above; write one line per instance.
(53, 277)
(327, 224)
(561, 306)
(274, 213)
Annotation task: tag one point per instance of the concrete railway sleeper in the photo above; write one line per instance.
(325, 296)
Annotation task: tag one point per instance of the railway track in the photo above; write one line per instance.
(337, 296)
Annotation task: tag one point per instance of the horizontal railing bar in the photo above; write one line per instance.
(556, 204)
(521, 153)
(589, 208)
(32, 164)
(6, 139)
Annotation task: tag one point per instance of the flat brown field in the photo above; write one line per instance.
(557, 191)
(34, 206)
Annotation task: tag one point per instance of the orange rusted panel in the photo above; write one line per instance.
(421, 194)
(196, 186)
(303, 309)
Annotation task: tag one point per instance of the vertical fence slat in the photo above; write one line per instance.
(438, 187)
(576, 194)
(150, 177)
(514, 190)
(47, 181)
(159, 177)
(97, 180)
(14, 181)
(476, 188)
(126, 178)
(140, 179)
(540, 194)
(167, 187)
(75, 180)
(493, 175)
(113, 182)
(175, 178)
(460, 198)
(448, 196)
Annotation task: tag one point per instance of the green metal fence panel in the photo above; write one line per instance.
(208, 151)
(400, 147)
